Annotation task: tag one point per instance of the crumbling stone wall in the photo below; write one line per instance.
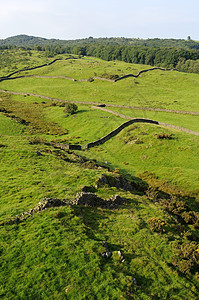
(83, 198)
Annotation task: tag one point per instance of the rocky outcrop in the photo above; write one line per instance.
(120, 182)
(42, 205)
(87, 199)
(82, 198)
(47, 203)
(92, 200)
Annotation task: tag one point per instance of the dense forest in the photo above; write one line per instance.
(182, 55)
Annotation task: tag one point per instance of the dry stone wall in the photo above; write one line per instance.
(117, 130)
(143, 71)
(83, 199)
(7, 77)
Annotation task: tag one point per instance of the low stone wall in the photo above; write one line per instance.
(117, 130)
(103, 78)
(7, 77)
(83, 199)
(143, 71)
(92, 200)
(67, 146)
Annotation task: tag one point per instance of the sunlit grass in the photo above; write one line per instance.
(57, 253)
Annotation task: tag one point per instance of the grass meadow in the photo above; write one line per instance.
(57, 253)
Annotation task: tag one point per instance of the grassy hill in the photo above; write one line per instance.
(57, 252)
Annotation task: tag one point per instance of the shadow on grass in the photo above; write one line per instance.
(91, 217)
(82, 111)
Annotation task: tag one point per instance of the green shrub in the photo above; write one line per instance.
(152, 193)
(110, 76)
(186, 257)
(157, 224)
(164, 136)
(70, 108)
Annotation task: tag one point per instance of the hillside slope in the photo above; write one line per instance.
(119, 220)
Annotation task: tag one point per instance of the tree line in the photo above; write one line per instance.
(181, 58)
(186, 60)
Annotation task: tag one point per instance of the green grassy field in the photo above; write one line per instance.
(160, 89)
(57, 253)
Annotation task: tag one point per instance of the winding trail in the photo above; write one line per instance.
(148, 121)
(117, 130)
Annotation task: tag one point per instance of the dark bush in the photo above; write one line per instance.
(157, 224)
(164, 136)
(152, 193)
(70, 108)
(110, 76)
(186, 257)
(36, 140)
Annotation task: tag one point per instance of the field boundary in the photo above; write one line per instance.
(117, 130)
(158, 123)
(97, 104)
(9, 76)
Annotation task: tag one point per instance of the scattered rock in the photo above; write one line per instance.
(83, 198)
(67, 289)
(107, 253)
(104, 244)
(92, 200)
(117, 255)
(42, 205)
(120, 182)
(38, 153)
(87, 199)
(88, 189)
(135, 283)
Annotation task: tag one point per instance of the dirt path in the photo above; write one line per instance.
(108, 105)
(194, 113)
(158, 123)
(94, 106)
(117, 130)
